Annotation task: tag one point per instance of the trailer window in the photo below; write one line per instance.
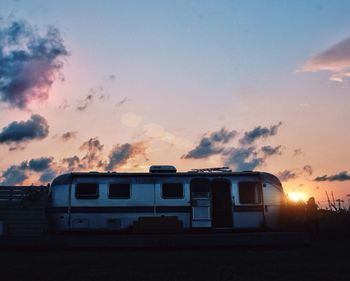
(172, 190)
(86, 190)
(249, 192)
(119, 191)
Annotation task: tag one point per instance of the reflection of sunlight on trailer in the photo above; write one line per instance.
(164, 200)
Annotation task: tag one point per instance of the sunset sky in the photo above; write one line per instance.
(121, 85)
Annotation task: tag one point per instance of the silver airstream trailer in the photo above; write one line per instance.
(204, 199)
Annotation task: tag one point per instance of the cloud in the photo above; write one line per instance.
(286, 175)
(30, 62)
(95, 159)
(69, 135)
(112, 77)
(40, 164)
(15, 174)
(259, 132)
(123, 101)
(36, 128)
(269, 150)
(96, 93)
(47, 176)
(121, 154)
(341, 176)
(94, 154)
(211, 145)
(85, 102)
(335, 59)
(45, 168)
(307, 169)
(222, 136)
(72, 163)
(243, 158)
(297, 152)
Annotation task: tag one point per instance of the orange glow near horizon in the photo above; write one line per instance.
(296, 196)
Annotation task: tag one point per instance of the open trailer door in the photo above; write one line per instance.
(221, 203)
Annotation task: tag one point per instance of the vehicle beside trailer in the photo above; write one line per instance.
(199, 200)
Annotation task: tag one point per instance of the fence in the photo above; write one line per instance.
(22, 210)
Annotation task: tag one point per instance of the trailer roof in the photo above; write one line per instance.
(66, 178)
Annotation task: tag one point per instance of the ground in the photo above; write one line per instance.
(323, 260)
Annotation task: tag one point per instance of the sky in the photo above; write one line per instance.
(122, 85)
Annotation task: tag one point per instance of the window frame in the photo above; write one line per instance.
(258, 193)
(119, 183)
(87, 197)
(172, 183)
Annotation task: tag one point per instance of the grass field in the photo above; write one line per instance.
(323, 260)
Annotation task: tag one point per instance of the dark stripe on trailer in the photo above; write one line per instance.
(242, 208)
(122, 209)
(144, 209)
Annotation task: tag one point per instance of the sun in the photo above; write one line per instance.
(296, 196)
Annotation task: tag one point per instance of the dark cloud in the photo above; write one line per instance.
(222, 136)
(16, 147)
(243, 158)
(123, 101)
(30, 62)
(40, 164)
(85, 102)
(269, 150)
(307, 169)
(69, 135)
(96, 93)
(15, 174)
(287, 175)
(297, 152)
(211, 145)
(336, 59)
(341, 176)
(121, 154)
(94, 157)
(72, 163)
(99, 93)
(205, 149)
(94, 154)
(259, 132)
(20, 132)
(47, 176)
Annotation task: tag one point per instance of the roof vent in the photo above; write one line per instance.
(162, 169)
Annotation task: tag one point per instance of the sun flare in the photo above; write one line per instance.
(296, 196)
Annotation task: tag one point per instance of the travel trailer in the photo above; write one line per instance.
(200, 200)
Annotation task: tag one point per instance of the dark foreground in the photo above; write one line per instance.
(322, 260)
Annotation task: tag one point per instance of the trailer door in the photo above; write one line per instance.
(221, 203)
(200, 203)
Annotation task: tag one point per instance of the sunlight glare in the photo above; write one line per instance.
(296, 196)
